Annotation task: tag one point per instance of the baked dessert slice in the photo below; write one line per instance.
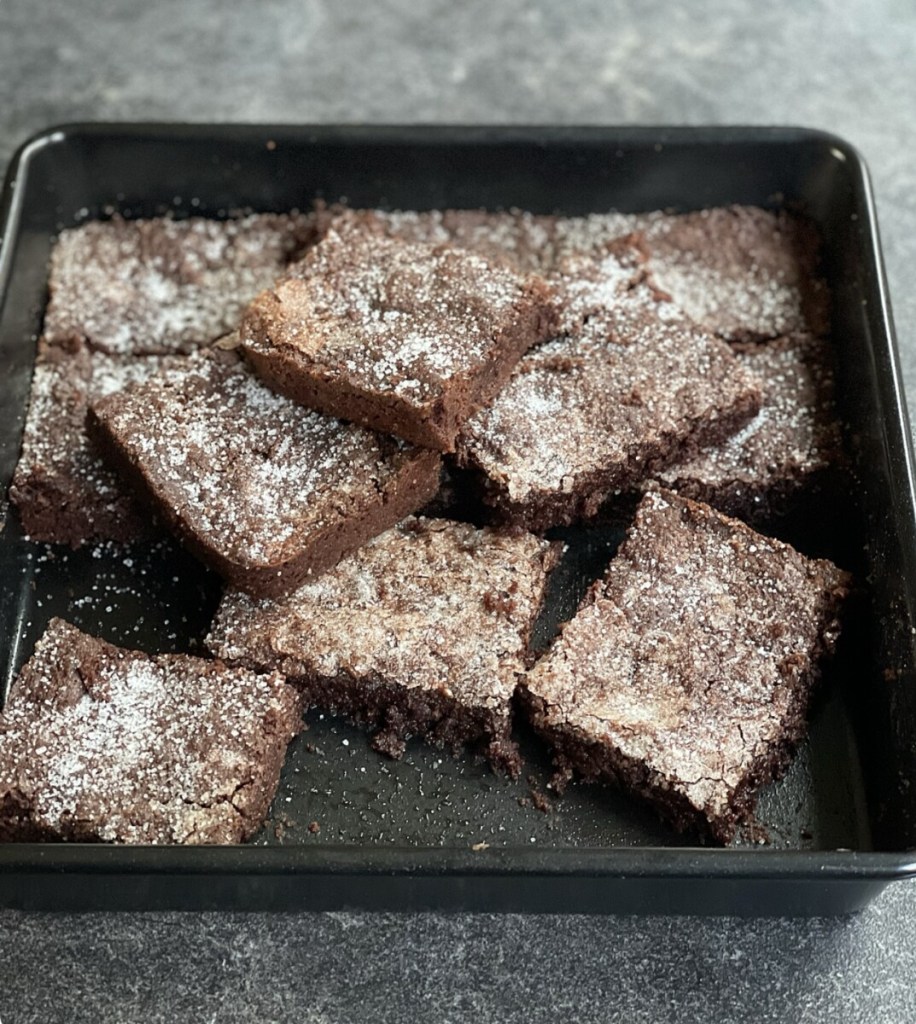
(265, 491)
(687, 673)
(592, 414)
(744, 273)
(98, 743)
(788, 454)
(64, 491)
(405, 338)
(529, 241)
(423, 631)
(135, 287)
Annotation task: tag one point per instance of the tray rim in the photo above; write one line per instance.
(687, 862)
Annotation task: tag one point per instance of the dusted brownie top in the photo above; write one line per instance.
(161, 285)
(687, 656)
(248, 471)
(380, 314)
(640, 384)
(530, 241)
(743, 272)
(64, 490)
(795, 435)
(430, 603)
(97, 742)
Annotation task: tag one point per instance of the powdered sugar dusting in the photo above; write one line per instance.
(694, 651)
(384, 314)
(158, 286)
(743, 272)
(249, 470)
(795, 435)
(65, 492)
(114, 745)
(430, 603)
(647, 382)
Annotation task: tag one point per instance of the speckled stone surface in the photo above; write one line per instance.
(835, 64)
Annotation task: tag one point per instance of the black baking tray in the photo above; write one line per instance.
(433, 832)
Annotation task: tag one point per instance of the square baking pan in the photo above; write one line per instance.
(430, 831)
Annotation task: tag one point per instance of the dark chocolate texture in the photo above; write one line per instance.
(686, 675)
(98, 743)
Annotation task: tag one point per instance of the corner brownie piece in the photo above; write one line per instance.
(686, 675)
(421, 632)
(98, 743)
(744, 273)
(63, 490)
(265, 491)
(789, 451)
(161, 285)
(408, 339)
(588, 415)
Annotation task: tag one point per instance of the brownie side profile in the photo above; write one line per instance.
(584, 417)
(423, 631)
(265, 491)
(406, 339)
(103, 744)
(64, 491)
(686, 675)
(164, 286)
(787, 452)
(745, 273)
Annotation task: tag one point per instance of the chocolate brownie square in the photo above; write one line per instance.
(529, 241)
(103, 744)
(405, 338)
(744, 273)
(789, 452)
(423, 631)
(587, 416)
(265, 491)
(63, 490)
(161, 285)
(687, 673)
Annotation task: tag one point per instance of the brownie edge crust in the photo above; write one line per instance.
(686, 675)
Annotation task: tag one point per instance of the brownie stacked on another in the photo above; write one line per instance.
(789, 454)
(686, 675)
(65, 492)
(125, 298)
(103, 744)
(265, 491)
(584, 416)
(405, 338)
(423, 631)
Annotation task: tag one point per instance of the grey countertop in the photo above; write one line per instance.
(836, 64)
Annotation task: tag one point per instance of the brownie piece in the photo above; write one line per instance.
(584, 417)
(408, 339)
(265, 491)
(686, 675)
(421, 632)
(63, 490)
(529, 241)
(98, 743)
(744, 273)
(160, 285)
(790, 450)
